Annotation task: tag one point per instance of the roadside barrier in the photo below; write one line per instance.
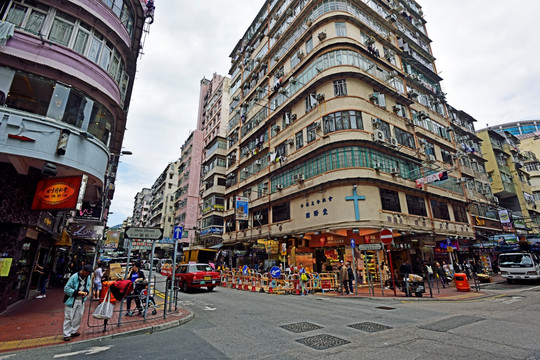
(284, 285)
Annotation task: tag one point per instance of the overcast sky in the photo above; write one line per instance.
(487, 53)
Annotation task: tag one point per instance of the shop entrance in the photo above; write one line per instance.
(327, 258)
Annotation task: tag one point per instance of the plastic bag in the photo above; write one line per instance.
(303, 277)
(105, 309)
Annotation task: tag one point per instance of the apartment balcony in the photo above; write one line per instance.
(507, 190)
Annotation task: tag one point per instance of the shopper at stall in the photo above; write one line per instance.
(76, 292)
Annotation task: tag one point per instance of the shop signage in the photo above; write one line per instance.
(89, 212)
(212, 230)
(80, 231)
(328, 241)
(46, 221)
(242, 208)
(57, 193)
(111, 242)
(313, 207)
(442, 175)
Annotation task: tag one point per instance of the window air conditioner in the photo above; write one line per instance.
(298, 177)
(293, 117)
(396, 109)
(289, 12)
(279, 187)
(258, 162)
(378, 136)
(423, 115)
(293, 80)
(309, 22)
(290, 142)
(394, 142)
(373, 97)
(395, 171)
(300, 55)
(317, 125)
(257, 217)
(431, 158)
(375, 122)
(320, 97)
(321, 36)
(276, 128)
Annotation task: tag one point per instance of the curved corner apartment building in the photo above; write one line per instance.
(66, 75)
(338, 128)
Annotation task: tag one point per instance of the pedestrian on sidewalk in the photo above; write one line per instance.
(44, 272)
(344, 278)
(350, 274)
(98, 275)
(439, 272)
(385, 275)
(136, 275)
(76, 292)
(303, 279)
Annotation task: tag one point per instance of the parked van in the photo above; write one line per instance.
(520, 266)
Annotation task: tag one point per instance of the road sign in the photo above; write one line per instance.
(275, 271)
(352, 243)
(387, 237)
(369, 247)
(144, 233)
(245, 270)
(178, 230)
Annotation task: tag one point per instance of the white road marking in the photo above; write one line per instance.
(92, 350)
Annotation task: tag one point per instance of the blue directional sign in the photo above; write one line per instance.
(178, 230)
(245, 270)
(275, 271)
(353, 244)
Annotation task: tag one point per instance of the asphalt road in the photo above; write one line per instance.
(232, 324)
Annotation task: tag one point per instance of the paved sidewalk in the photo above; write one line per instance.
(38, 322)
(450, 293)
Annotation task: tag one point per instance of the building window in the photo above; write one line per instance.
(342, 120)
(311, 102)
(340, 87)
(447, 157)
(62, 28)
(309, 45)
(312, 132)
(341, 29)
(281, 212)
(416, 205)
(460, 213)
(385, 128)
(440, 210)
(404, 138)
(390, 200)
(299, 139)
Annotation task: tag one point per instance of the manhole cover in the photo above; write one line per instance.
(369, 327)
(385, 308)
(323, 342)
(301, 327)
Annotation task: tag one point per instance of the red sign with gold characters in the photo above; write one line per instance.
(57, 193)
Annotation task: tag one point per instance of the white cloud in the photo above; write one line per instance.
(486, 52)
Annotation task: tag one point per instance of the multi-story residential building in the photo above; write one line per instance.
(186, 198)
(510, 181)
(519, 127)
(141, 207)
(338, 128)
(66, 76)
(530, 144)
(162, 204)
(213, 121)
(482, 204)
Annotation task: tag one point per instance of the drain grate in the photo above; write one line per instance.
(301, 327)
(385, 308)
(323, 342)
(370, 327)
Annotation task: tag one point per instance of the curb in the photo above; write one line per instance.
(143, 331)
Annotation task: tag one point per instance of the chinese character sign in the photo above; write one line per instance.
(57, 193)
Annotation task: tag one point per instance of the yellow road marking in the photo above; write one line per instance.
(16, 344)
